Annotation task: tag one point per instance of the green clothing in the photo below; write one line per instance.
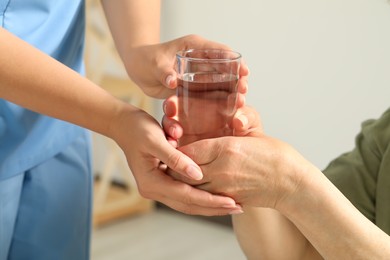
(363, 175)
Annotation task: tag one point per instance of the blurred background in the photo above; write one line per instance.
(318, 69)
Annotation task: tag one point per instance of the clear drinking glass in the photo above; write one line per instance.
(207, 92)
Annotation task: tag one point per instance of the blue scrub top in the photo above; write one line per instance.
(56, 27)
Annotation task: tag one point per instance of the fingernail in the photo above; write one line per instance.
(230, 206)
(173, 143)
(169, 80)
(236, 212)
(165, 107)
(172, 131)
(194, 172)
(243, 119)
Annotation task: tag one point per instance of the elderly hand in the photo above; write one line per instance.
(253, 169)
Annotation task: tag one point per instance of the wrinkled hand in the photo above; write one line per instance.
(255, 171)
(148, 154)
(251, 168)
(152, 67)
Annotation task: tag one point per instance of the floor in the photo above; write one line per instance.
(165, 235)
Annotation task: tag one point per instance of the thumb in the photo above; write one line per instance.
(246, 122)
(169, 79)
(178, 161)
(204, 151)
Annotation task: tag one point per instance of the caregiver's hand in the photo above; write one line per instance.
(152, 67)
(147, 152)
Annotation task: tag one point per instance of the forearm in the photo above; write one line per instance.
(264, 233)
(271, 174)
(34, 80)
(317, 221)
(332, 224)
(140, 18)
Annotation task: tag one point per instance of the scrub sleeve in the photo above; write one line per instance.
(45, 212)
(363, 175)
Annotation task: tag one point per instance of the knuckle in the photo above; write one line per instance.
(187, 198)
(190, 39)
(193, 37)
(188, 202)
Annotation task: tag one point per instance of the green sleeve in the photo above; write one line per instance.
(363, 174)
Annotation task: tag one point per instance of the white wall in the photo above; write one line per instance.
(318, 67)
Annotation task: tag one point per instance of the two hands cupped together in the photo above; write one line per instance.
(220, 159)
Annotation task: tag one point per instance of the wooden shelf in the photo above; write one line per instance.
(119, 204)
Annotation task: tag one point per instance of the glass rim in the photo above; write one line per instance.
(182, 55)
